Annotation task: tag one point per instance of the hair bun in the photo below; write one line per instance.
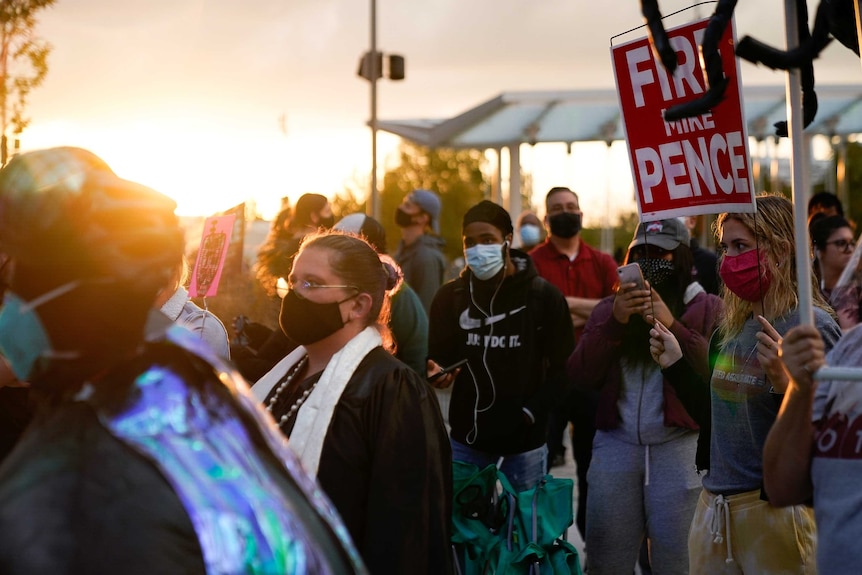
(393, 274)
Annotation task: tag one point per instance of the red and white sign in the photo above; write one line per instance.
(696, 165)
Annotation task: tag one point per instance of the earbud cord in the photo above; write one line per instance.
(473, 433)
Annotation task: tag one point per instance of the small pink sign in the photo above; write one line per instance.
(211, 255)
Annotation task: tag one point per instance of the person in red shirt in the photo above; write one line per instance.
(585, 276)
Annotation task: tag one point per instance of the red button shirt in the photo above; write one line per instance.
(592, 274)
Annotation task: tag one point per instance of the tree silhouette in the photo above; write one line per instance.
(23, 64)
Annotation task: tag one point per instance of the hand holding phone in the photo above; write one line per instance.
(445, 371)
(631, 273)
(630, 301)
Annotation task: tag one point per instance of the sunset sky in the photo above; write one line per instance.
(186, 95)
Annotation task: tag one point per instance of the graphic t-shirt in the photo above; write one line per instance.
(837, 462)
(744, 409)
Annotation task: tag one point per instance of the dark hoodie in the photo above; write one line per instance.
(517, 336)
(423, 265)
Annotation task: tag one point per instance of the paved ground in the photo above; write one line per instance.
(568, 471)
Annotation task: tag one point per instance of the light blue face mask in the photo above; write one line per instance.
(531, 234)
(485, 260)
(23, 339)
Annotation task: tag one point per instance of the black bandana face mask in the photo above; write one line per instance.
(565, 225)
(656, 270)
(304, 321)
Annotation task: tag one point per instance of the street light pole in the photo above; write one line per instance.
(373, 196)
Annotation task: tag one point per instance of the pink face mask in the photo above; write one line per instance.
(740, 274)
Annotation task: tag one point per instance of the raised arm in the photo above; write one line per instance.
(789, 445)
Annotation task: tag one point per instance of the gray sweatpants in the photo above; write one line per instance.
(638, 491)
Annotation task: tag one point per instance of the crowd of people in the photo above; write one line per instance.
(135, 440)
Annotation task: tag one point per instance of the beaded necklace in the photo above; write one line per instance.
(283, 385)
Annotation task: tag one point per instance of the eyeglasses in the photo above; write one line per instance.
(282, 286)
(843, 244)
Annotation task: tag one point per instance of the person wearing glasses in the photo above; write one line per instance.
(837, 267)
(365, 424)
(833, 243)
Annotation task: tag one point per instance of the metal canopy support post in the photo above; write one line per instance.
(757, 164)
(514, 206)
(373, 195)
(799, 170)
(841, 189)
(832, 175)
(774, 184)
(497, 186)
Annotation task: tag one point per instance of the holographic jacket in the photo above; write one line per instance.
(164, 465)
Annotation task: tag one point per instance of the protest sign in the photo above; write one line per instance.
(211, 256)
(696, 165)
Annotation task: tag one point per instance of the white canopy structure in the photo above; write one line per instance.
(569, 116)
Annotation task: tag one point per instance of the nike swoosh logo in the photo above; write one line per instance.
(467, 323)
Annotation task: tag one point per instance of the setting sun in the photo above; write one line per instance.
(208, 168)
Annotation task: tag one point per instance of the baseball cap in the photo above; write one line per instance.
(365, 226)
(429, 202)
(666, 234)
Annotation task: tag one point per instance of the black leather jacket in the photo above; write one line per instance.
(386, 465)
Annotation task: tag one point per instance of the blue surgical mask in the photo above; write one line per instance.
(485, 260)
(531, 234)
(23, 339)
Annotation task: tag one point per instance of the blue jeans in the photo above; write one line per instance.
(523, 470)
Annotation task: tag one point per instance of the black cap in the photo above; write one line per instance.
(490, 213)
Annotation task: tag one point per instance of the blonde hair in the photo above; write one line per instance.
(772, 227)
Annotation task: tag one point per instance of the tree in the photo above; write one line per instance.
(627, 223)
(454, 174)
(347, 201)
(23, 64)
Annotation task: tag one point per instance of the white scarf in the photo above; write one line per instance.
(315, 415)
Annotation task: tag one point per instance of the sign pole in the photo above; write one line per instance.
(799, 171)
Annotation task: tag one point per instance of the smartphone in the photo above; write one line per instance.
(446, 370)
(631, 273)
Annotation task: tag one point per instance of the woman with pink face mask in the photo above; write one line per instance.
(735, 530)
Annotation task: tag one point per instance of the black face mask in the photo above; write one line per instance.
(403, 219)
(565, 225)
(326, 222)
(656, 270)
(304, 321)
